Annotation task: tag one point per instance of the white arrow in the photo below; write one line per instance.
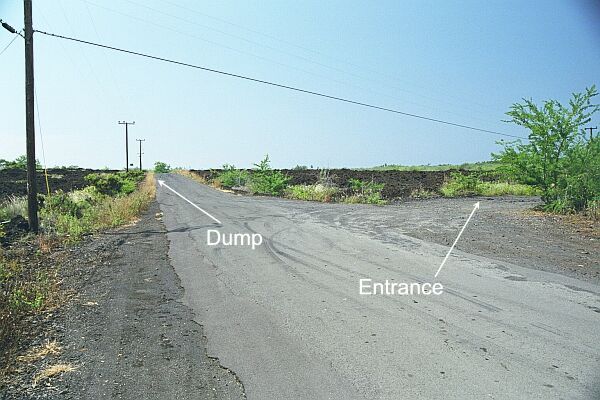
(475, 207)
(162, 183)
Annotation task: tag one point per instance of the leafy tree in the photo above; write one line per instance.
(559, 157)
(161, 167)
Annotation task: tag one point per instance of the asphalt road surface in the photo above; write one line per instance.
(287, 318)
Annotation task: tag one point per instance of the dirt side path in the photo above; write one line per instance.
(125, 331)
(504, 228)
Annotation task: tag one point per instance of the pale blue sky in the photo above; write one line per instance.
(464, 61)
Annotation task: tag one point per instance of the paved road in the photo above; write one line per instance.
(288, 319)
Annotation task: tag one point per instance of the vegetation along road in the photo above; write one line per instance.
(292, 318)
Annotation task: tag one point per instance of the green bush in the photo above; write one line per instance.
(316, 192)
(18, 163)
(462, 185)
(367, 192)
(265, 180)
(113, 184)
(161, 167)
(471, 185)
(559, 158)
(231, 177)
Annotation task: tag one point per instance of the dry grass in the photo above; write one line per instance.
(117, 211)
(577, 223)
(52, 371)
(191, 175)
(36, 353)
(422, 193)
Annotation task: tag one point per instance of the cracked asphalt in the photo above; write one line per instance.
(288, 319)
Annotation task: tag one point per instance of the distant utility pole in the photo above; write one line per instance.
(591, 131)
(141, 140)
(126, 142)
(32, 205)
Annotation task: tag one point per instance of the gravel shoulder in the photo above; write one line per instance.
(124, 331)
(504, 228)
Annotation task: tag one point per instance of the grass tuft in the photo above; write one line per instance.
(36, 353)
(13, 206)
(52, 371)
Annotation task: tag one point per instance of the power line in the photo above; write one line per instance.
(372, 76)
(9, 43)
(305, 59)
(279, 85)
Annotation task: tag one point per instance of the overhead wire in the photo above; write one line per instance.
(9, 43)
(338, 70)
(101, 88)
(329, 56)
(279, 85)
(110, 68)
(37, 108)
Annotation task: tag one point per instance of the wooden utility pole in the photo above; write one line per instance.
(141, 140)
(32, 205)
(126, 142)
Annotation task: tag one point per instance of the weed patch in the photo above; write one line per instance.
(318, 192)
(470, 185)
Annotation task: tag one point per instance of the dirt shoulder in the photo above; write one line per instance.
(124, 330)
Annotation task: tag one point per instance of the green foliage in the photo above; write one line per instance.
(367, 192)
(265, 180)
(231, 177)
(74, 214)
(461, 185)
(559, 157)
(316, 192)
(161, 167)
(113, 184)
(18, 163)
(20, 299)
(471, 185)
(477, 166)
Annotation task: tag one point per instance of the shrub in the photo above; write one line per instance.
(113, 184)
(161, 167)
(471, 185)
(18, 163)
(316, 192)
(461, 185)
(367, 192)
(85, 211)
(231, 177)
(559, 157)
(265, 180)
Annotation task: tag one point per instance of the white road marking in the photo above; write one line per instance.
(162, 183)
